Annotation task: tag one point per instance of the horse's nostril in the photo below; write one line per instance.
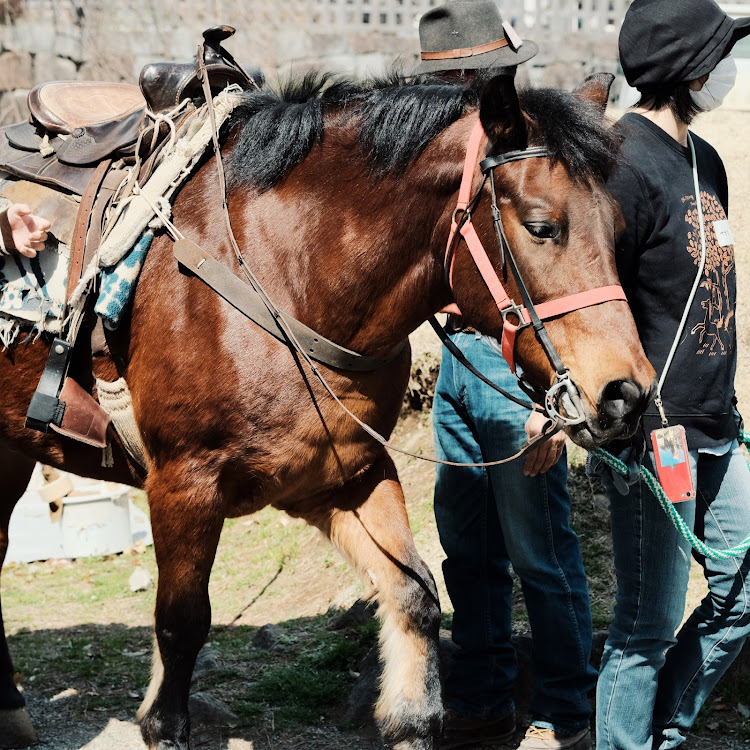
(620, 398)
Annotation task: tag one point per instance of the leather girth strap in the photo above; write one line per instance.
(77, 264)
(243, 297)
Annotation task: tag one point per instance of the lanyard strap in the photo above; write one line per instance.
(696, 283)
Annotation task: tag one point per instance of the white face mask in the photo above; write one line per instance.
(720, 82)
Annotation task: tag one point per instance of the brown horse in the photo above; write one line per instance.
(341, 198)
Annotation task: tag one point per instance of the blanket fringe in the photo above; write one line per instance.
(9, 328)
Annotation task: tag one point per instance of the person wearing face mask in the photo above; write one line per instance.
(676, 264)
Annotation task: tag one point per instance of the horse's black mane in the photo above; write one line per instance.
(397, 119)
(573, 131)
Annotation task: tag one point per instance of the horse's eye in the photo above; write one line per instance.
(542, 230)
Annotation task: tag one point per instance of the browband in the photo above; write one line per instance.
(495, 161)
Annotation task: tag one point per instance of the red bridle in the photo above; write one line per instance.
(507, 307)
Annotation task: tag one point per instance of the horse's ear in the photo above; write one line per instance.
(500, 115)
(595, 89)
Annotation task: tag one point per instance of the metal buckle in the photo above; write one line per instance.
(465, 216)
(517, 310)
(564, 391)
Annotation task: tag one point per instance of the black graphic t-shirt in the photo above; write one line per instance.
(658, 258)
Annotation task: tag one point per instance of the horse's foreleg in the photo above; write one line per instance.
(15, 726)
(371, 528)
(186, 520)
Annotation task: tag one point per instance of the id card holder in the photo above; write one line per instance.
(672, 464)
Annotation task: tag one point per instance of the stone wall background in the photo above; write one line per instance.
(43, 40)
(97, 40)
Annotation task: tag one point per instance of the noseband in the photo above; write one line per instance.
(563, 391)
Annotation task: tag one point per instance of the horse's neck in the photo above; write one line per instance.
(359, 259)
(372, 271)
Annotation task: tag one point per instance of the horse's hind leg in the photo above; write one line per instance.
(186, 520)
(369, 525)
(15, 726)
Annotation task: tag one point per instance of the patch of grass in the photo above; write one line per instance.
(302, 680)
(298, 694)
(70, 589)
(735, 688)
(446, 620)
(305, 678)
(105, 665)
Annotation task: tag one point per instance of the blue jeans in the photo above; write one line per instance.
(490, 518)
(653, 682)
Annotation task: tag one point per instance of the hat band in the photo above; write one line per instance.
(453, 54)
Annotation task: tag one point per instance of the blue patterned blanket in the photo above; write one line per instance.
(32, 290)
(118, 283)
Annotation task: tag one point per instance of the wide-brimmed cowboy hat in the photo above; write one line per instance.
(666, 42)
(469, 35)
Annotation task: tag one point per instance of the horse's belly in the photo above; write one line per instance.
(298, 475)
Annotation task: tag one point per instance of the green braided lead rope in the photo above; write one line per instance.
(669, 509)
(745, 438)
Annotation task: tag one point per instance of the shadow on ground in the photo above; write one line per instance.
(304, 683)
(281, 686)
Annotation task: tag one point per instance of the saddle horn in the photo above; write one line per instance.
(166, 84)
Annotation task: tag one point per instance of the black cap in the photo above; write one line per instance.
(469, 35)
(671, 41)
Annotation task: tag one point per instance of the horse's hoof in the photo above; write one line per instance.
(16, 729)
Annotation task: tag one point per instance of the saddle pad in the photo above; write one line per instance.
(119, 281)
(32, 290)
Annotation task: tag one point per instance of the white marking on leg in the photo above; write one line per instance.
(157, 677)
(404, 655)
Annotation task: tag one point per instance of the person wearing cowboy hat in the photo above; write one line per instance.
(469, 36)
(513, 514)
(676, 264)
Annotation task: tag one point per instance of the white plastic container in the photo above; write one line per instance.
(96, 521)
(97, 518)
(32, 534)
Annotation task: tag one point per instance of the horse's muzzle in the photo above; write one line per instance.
(619, 410)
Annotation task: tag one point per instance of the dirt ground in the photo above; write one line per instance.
(312, 592)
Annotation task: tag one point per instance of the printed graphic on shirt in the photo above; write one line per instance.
(714, 332)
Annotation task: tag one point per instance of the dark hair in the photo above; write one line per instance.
(675, 96)
(396, 120)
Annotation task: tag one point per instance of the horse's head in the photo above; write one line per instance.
(548, 154)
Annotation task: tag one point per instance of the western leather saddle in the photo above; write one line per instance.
(166, 84)
(74, 125)
(80, 136)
